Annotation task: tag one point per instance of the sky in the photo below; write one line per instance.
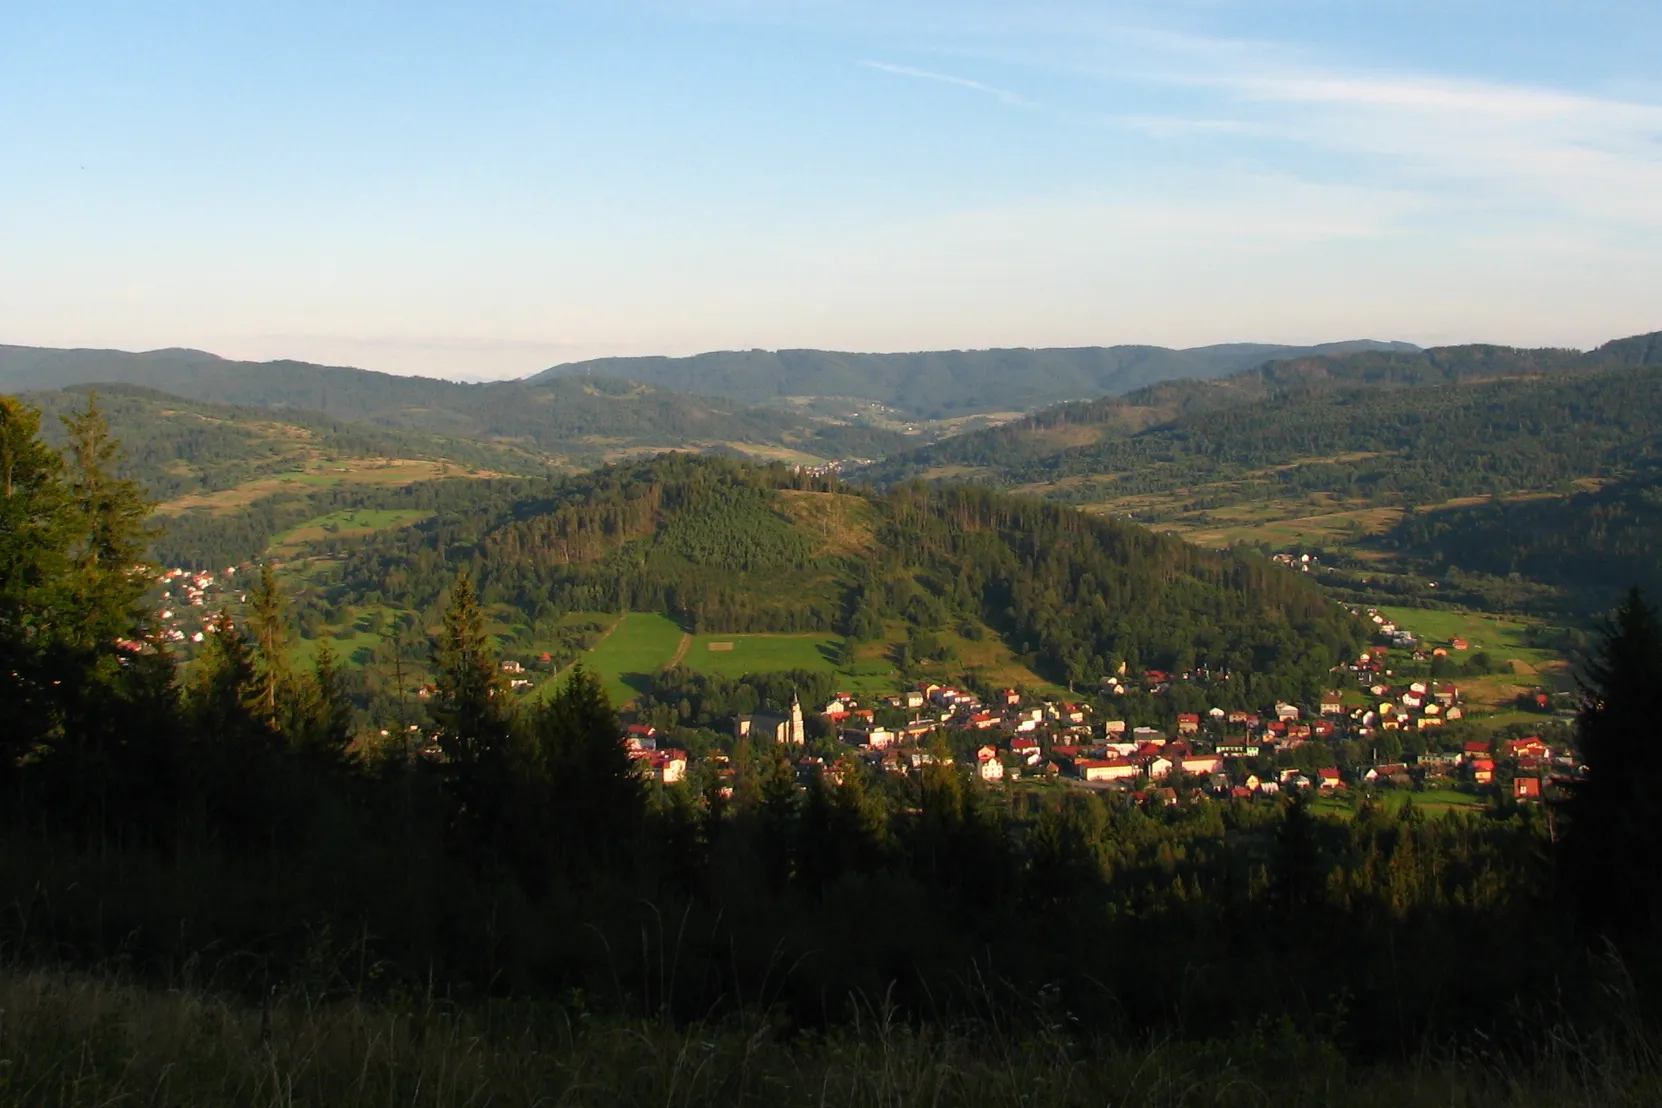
(483, 190)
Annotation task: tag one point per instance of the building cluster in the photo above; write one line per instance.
(188, 600)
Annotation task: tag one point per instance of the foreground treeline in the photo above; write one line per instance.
(226, 827)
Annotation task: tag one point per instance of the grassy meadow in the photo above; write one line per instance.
(737, 655)
(639, 645)
(85, 1041)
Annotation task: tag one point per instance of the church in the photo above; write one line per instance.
(781, 729)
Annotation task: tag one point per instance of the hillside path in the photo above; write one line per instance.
(680, 651)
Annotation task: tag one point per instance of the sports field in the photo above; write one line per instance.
(737, 655)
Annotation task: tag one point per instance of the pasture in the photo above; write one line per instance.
(347, 524)
(639, 646)
(1498, 636)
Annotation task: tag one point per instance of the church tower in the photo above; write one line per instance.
(799, 731)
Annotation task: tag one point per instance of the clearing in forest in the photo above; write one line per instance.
(638, 648)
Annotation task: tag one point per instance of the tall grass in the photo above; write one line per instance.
(70, 1041)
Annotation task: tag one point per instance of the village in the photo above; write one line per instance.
(1217, 754)
(1013, 736)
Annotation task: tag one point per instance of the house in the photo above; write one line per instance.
(1531, 747)
(1332, 704)
(1526, 788)
(1286, 712)
(1188, 723)
(1459, 644)
(1158, 767)
(1476, 749)
(666, 766)
(876, 738)
(1203, 763)
(1328, 778)
(1026, 748)
(1105, 769)
(1483, 771)
(1009, 697)
(988, 765)
(1148, 735)
(1115, 727)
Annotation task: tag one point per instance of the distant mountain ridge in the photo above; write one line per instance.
(575, 422)
(947, 383)
(1076, 429)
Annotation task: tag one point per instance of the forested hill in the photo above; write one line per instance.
(576, 422)
(1380, 402)
(724, 546)
(175, 447)
(948, 383)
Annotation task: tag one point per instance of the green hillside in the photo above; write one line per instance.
(726, 547)
(941, 384)
(1023, 451)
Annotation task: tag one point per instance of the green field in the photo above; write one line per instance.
(1497, 636)
(346, 524)
(762, 653)
(640, 645)
(1431, 802)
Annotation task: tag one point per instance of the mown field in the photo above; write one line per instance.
(639, 645)
(737, 655)
(349, 524)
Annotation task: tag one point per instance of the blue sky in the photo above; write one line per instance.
(490, 188)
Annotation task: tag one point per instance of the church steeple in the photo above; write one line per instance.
(799, 730)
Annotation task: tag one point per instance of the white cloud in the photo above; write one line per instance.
(946, 78)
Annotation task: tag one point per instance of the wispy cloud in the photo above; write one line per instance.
(1005, 95)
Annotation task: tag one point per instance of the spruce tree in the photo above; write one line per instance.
(1613, 839)
(225, 692)
(472, 712)
(595, 801)
(268, 619)
(110, 551)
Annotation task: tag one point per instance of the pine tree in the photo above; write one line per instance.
(225, 692)
(1297, 878)
(112, 510)
(268, 619)
(37, 527)
(1613, 840)
(595, 798)
(472, 712)
(320, 722)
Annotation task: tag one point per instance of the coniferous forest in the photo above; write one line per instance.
(523, 916)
